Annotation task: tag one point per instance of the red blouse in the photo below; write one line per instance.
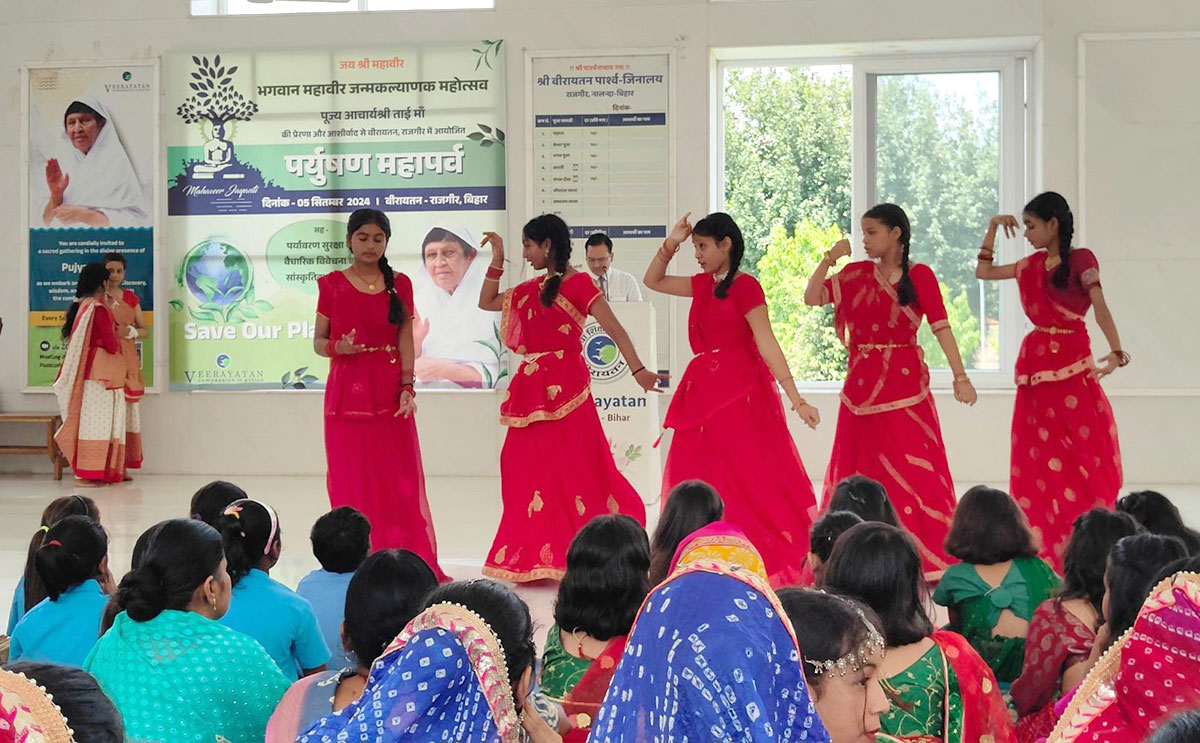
(366, 384)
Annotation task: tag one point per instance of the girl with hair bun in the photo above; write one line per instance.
(73, 565)
(888, 426)
(283, 621)
(1066, 457)
(730, 427)
(556, 469)
(364, 326)
(173, 671)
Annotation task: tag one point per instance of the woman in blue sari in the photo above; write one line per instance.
(712, 656)
(458, 672)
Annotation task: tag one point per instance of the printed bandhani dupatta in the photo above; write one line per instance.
(91, 403)
(553, 379)
(1148, 675)
(982, 716)
(712, 656)
(444, 678)
(28, 713)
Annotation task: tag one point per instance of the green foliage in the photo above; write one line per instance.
(805, 333)
(787, 151)
(788, 183)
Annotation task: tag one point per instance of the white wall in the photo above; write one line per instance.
(270, 432)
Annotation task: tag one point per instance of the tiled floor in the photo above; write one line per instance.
(465, 512)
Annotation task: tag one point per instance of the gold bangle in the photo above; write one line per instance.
(962, 378)
(489, 278)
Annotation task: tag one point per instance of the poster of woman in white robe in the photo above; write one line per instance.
(458, 344)
(89, 178)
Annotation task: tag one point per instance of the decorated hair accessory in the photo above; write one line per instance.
(29, 711)
(234, 511)
(53, 543)
(45, 529)
(855, 660)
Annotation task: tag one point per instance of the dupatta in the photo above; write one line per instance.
(1149, 674)
(444, 678)
(553, 379)
(711, 656)
(982, 717)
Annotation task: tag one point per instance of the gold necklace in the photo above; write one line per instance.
(370, 284)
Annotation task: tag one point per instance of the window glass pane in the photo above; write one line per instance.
(937, 144)
(787, 183)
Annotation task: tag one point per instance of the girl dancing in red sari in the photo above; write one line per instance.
(888, 426)
(730, 428)
(364, 325)
(1065, 454)
(556, 470)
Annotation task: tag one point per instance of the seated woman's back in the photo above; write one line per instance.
(599, 597)
(993, 592)
(171, 669)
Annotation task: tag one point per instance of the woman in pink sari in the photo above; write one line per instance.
(1065, 457)
(91, 386)
(556, 470)
(730, 428)
(1148, 675)
(888, 426)
(364, 325)
(131, 325)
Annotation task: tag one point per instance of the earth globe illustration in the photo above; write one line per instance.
(601, 350)
(217, 273)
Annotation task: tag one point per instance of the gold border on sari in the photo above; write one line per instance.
(484, 652)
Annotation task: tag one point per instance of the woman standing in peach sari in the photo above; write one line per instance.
(126, 309)
(91, 385)
(888, 426)
(556, 469)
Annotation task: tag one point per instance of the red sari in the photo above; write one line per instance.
(556, 470)
(731, 430)
(1066, 458)
(373, 455)
(888, 426)
(124, 311)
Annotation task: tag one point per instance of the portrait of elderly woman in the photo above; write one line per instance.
(457, 344)
(92, 182)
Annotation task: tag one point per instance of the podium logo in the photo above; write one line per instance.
(603, 357)
(223, 361)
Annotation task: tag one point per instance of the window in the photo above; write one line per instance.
(806, 147)
(263, 7)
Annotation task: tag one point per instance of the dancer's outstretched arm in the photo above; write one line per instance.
(656, 277)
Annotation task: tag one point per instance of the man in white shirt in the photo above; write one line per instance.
(617, 286)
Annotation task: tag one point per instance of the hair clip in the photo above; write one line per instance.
(234, 511)
(53, 543)
(45, 529)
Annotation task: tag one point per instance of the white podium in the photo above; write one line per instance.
(628, 413)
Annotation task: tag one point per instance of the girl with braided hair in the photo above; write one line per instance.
(888, 426)
(556, 469)
(364, 326)
(1066, 457)
(730, 428)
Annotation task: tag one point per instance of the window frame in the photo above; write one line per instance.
(1013, 61)
(352, 6)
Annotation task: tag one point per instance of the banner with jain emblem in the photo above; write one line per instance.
(628, 413)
